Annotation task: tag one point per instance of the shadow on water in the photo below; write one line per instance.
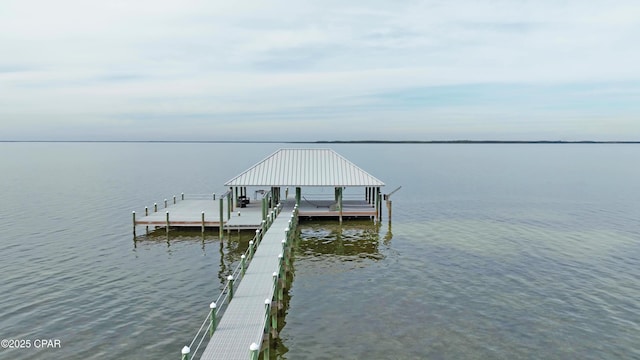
(353, 239)
(229, 249)
(327, 242)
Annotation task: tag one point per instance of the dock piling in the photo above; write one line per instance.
(251, 247)
(221, 226)
(267, 310)
(155, 207)
(165, 203)
(274, 323)
(146, 211)
(243, 263)
(134, 224)
(203, 221)
(213, 324)
(185, 353)
(168, 223)
(230, 281)
(281, 263)
(254, 350)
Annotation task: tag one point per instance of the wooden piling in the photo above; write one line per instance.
(254, 351)
(274, 310)
(221, 226)
(213, 318)
(267, 309)
(340, 202)
(230, 281)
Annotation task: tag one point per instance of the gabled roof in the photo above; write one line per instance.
(304, 167)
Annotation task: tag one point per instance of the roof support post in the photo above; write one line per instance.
(340, 202)
(221, 225)
(264, 208)
(378, 207)
(298, 195)
(379, 202)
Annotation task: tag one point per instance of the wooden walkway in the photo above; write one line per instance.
(188, 213)
(243, 322)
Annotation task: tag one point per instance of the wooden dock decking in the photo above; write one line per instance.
(243, 322)
(189, 213)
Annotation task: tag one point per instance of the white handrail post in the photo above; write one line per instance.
(212, 326)
(185, 353)
(254, 350)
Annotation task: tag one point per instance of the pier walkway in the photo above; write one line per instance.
(204, 213)
(244, 320)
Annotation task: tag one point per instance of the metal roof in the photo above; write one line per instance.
(304, 167)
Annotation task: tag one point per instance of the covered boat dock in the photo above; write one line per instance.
(322, 184)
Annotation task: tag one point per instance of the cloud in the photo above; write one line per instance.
(420, 65)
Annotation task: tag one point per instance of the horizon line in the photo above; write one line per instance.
(339, 141)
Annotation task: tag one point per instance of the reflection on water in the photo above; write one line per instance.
(346, 242)
(229, 249)
(324, 248)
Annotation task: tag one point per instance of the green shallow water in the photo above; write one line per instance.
(495, 251)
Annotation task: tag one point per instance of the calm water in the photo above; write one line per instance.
(494, 252)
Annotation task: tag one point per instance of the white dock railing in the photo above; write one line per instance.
(217, 307)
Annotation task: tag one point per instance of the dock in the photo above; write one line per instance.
(198, 211)
(243, 319)
(247, 316)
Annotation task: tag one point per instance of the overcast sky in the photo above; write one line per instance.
(309, 70)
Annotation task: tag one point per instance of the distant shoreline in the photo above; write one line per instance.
(475, 142)
(330, 141)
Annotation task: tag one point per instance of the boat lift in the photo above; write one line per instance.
(387, 197)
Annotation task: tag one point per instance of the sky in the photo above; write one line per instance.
(319, 70)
